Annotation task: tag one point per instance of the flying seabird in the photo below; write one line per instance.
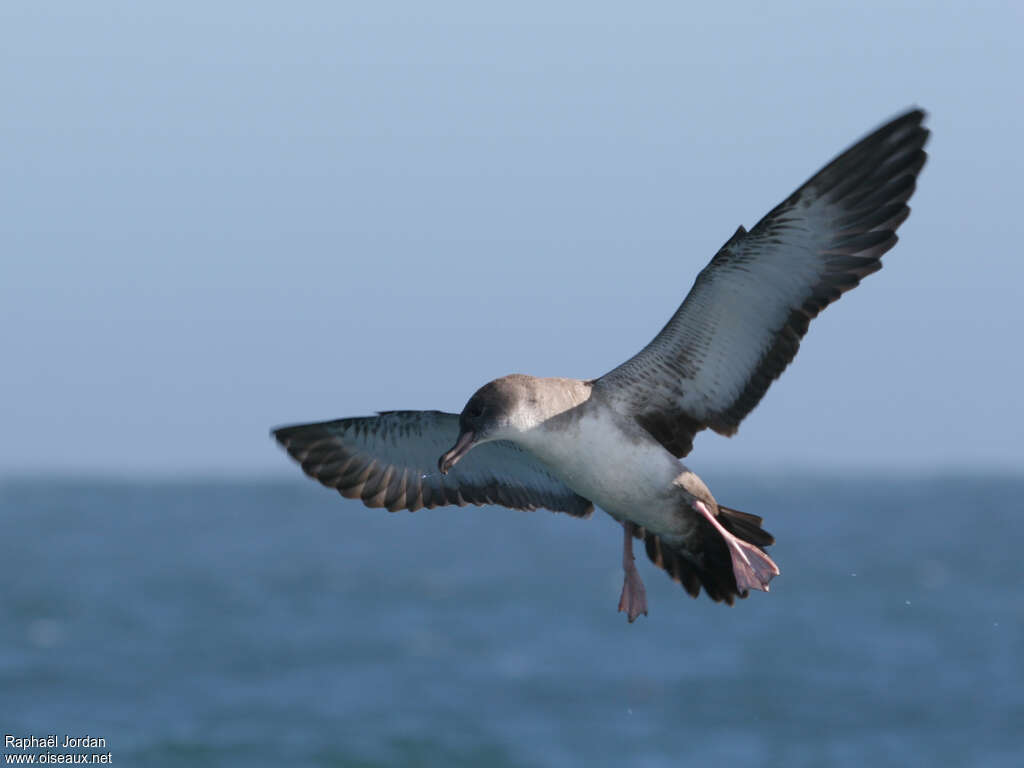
(616, 441)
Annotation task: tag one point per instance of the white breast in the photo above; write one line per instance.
(614, 463)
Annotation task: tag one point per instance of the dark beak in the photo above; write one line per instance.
(448, 460)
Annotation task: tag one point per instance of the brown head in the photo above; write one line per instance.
(491, 414)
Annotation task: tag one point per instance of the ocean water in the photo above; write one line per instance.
(208, 623)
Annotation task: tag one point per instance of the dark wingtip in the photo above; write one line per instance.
(915, 114)
(911, 116)
(283, 434)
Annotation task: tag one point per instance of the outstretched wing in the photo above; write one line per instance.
(390, 460)
(742, 322)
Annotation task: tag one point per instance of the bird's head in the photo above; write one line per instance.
(492, 413)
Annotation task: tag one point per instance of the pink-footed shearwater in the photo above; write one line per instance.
(616, 441)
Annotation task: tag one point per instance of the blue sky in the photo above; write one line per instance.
(219, 219)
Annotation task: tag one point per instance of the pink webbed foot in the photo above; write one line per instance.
(634, 597)
(752, 567)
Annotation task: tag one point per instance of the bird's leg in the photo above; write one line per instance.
(634, 596)
(752, 567)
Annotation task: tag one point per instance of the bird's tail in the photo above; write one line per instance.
(744, 525)
(704, 560)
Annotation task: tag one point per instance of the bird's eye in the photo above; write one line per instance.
(476, 411)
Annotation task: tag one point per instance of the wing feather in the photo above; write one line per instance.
(390, 460)
(742, 322)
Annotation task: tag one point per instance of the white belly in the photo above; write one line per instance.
(616, 465)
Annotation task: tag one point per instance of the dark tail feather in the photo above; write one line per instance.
(706, 562)
(745, 525)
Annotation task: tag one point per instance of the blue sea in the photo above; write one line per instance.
(229, 623)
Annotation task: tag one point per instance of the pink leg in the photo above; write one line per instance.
(752, 567)
(634, 596)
